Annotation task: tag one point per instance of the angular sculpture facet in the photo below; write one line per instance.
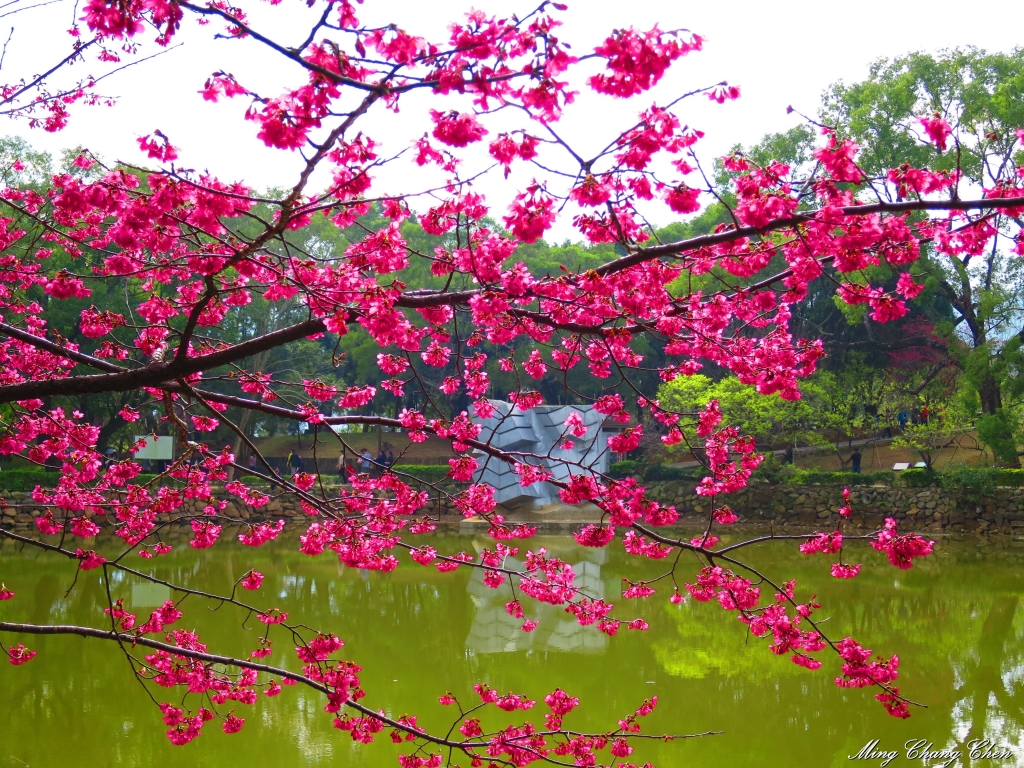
(538, 436)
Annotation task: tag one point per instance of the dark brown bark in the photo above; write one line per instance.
(988, 390)
(156, 373)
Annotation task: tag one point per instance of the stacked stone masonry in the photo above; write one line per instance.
(794, 508)
(18, 510)
(815, 507)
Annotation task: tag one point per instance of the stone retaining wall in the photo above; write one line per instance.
(20, 511)
(795, 508)
(815, 506)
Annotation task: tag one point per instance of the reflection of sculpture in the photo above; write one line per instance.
(495, 631)
(541, 432)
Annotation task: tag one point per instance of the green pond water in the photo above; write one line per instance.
(954, 620)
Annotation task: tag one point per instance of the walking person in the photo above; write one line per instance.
(855, 460)
(365, 461)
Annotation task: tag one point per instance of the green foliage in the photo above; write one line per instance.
(971, 304)
(621, 469)
(771, 470)
(943, 429)
(38, 165)
(981, 94)
(662, 473)
(814, 477)
(969, 480)
(28, 479)
(427, 473)
(919, 478)
(998, 431)
(1012, 478)
(769, 418)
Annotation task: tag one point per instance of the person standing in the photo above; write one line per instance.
(365, 460)
(855, 460)
(294, 462)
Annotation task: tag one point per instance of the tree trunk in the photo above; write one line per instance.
(107, 431)
(989, 392)
(243, 426)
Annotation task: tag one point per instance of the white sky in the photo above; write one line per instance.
(779, 53)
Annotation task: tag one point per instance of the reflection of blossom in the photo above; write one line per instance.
(496, 629)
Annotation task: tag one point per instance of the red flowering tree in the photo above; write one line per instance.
(196, 248)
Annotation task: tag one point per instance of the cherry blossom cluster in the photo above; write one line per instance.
(197, 250)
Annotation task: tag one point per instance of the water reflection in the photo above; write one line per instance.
(989, 686)
(954, 620)
(147, 595)
(494, 630)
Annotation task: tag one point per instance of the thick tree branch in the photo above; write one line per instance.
(673, 249)
(156, 374)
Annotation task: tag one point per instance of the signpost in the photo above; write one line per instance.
(156, 448)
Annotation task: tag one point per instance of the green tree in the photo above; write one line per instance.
(981, 95)
(771, 420)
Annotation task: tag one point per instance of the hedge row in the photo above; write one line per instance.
(428, 473)
(774, 474)
(813, 477)
(28, 479)
(965, 480)
(970, 480)
(980, 480)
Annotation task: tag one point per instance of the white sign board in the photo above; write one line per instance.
(156, 448)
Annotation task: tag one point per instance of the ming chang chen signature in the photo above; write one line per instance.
(923, 750)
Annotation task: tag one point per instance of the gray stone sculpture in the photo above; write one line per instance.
(539, 431)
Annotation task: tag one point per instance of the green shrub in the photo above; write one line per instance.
(964, 479)
(998, 431)
(27, 479)
(813, 476)
(661, 473)
(971, 481)
(919, 478)
(620, 469)
(427, 473)
(1013, 478)
(772, 470)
